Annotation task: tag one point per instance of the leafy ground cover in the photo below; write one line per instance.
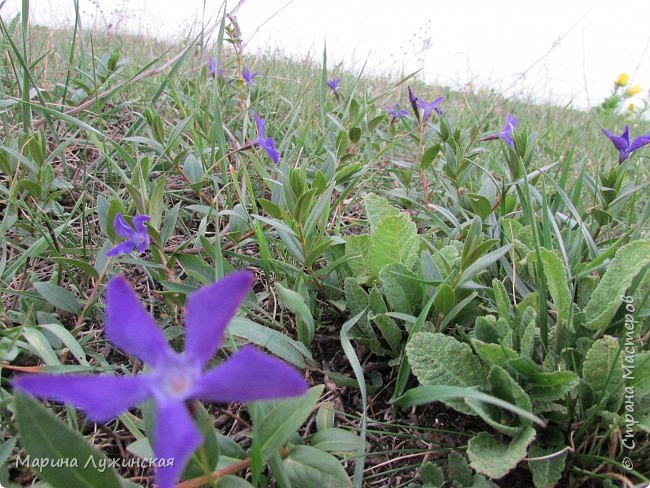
(449, 288)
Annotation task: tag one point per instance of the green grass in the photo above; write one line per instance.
(99, 124)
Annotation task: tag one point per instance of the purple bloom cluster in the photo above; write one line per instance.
(622, 143)
(137, 236)
(173, 380)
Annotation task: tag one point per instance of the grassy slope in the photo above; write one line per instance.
(289, 95)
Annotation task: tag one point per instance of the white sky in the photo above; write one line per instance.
(566, 51)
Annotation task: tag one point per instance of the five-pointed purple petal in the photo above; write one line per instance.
(173, 378)
(137, 237)
(266, 143)
(333, 84)
(622, 143)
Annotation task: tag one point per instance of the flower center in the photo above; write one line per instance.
(175, 379)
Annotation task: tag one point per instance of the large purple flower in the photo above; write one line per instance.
(266, 143)
(173, 379)
(622, 143)
(137, 237)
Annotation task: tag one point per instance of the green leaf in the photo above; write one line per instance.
(308, 466)
(390, 331)
(502, 385)
(280, 424)
(481, 205)
(544, 385)
(459, 469)
(325, 416)
(439, 359)
(395, 240)
(444, 299)
(403, 293)
(193, 168)
(501, 298)
(493, 353)
(296, 303)
(431, 474)
(156, 202)
(231, 481)
(356, 250)
(340, 442)
(378, 209)
(558, 284)
(606, 299)
(276, 342)
(494, 458)
(529, 332)
(603, 370)
(45, 437)
(357, 301)
(58, 297)
(547, 472)
(428, 394)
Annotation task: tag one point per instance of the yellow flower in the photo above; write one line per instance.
(633, 90)
(631, 107)
(622, 80)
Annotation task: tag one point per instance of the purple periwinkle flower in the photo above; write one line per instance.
(173, 379)
(334, 85)
(266, 143)
(396, 112)
(137, 237)
(428, 108)
(622, 143)
(506, 131)
(248, 75)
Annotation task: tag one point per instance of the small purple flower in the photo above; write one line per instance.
(137, 237)
(266, 143)
(173, 379)
(506, 131)
(430, 107)
(334, 85)
(212, 66)
(248, 75)
(622, 143)
(396, 112)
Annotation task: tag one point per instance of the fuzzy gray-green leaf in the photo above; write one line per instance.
(606, 299)
(439, 359)
(495, 458)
